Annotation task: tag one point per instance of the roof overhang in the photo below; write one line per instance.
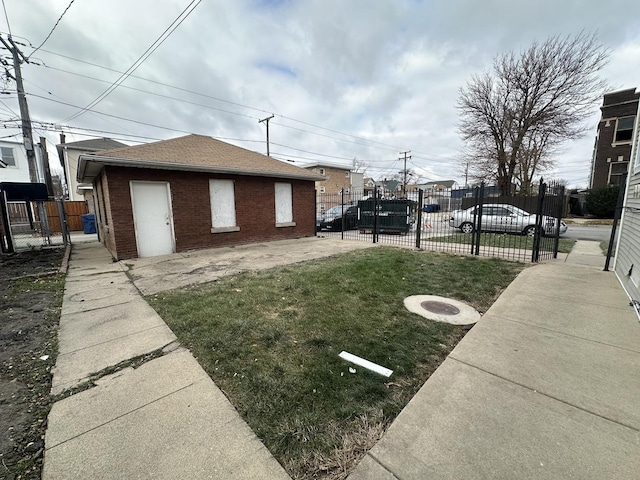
(90, 166)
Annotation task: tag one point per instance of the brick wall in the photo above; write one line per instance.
(255, 209)
(615, 105)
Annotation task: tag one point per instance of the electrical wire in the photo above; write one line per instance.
(370, 143)
(55, 127)
(6, 16)
(143, 123)
(147, 53)
(153, 93)
(51, 32)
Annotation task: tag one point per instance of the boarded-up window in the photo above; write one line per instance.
(284, 205)
(223, 203)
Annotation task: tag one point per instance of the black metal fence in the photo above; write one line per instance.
(520, 228)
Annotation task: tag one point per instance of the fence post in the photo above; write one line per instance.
(64, 227)
(477, 232)
(6, 225)
(419, 219)
(559, 211)
(375, 214)
(535, 251)
(616, 217)
(342, 219)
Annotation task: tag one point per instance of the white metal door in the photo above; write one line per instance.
(152, 218)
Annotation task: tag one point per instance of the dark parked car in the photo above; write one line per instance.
(332, 218)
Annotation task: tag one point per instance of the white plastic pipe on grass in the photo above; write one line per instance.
(374, 367)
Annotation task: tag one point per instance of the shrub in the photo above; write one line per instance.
(601, 202)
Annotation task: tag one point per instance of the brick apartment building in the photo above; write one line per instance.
(612, 150)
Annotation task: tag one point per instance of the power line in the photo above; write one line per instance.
(370, 143)
(54, 27)
(142, 123)
(147, 53)
(6, 16)
(153, 93)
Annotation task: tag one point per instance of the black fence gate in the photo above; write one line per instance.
(521, 228)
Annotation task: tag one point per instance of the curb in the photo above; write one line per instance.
(65, 260)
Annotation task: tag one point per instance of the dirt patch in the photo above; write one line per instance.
(30, 300)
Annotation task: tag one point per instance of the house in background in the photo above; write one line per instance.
(68, 153)
(627, 262)
(13, 162)
(195, 192)
(335, 180)
(612, 150)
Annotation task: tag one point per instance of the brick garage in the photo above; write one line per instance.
(187, 165)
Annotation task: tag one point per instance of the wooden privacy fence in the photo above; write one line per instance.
(74, 210)
(19, 216)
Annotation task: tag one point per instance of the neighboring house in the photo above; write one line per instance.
(627, 262)
(13, 162)
(369, 185)
(195, 192)
(68, 153)
(335, 180)
(612, 149)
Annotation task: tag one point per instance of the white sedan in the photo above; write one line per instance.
(503, 218)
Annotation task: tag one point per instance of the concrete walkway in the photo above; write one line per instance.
(165, 419)
(545, 386)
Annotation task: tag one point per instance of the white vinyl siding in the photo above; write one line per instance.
(284, 205)
(627, 264)
(223, 206)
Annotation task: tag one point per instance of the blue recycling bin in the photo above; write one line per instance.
(89, 223)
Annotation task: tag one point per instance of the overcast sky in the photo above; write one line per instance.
(378, 76)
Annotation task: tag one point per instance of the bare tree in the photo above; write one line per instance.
(514, 116)
(359, 166)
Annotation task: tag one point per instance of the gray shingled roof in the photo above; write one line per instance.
(191, 153)
(94, 144)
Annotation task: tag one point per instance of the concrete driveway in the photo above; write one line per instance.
(157, 274)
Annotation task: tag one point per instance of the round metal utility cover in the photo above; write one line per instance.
(442, 309)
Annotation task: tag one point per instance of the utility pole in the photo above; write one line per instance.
(18, 58)
(404, 172)
(266, 120)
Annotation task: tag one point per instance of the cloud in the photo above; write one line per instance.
(387, 72)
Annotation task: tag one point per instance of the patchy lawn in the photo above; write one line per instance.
(270, 340)
(505, 240)
(30, 300)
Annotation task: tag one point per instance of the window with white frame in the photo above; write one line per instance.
(223, 206)
(616, 172)
(624, 129)
(7, 156)
(323, 189)
(321, 171)
(284, 205)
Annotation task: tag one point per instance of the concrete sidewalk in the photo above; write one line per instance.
(164, 419)
(546, 385)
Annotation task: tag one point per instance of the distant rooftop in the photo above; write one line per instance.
(94, 144)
